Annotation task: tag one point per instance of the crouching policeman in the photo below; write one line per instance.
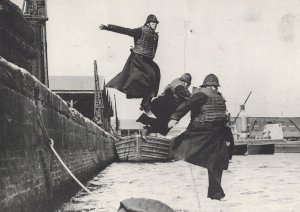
(165, 104)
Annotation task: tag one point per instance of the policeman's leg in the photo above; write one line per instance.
(156, 81)
(158, 125)
(143, 119)
(150, 122)
(162, 125)
(215, 190)
(145, 104)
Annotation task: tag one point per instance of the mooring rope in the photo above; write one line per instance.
(42, 125)
(66, 168)
(51, 144)
(45, 132)
(72, 175)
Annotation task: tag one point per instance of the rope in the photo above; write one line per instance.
(42, 125)
(66, 168)
(51, 143)
(194, 187)
(57, 156)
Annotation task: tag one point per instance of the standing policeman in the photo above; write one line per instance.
(203, 143)
(140, 76)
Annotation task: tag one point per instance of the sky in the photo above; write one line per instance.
(250, 45)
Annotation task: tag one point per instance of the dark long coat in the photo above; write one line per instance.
(201, 144)
(140, 76)
(164, 105)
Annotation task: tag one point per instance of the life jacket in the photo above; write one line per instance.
(214, 110)
(172, 86)
(146, 45)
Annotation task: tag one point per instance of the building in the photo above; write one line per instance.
(79, 91)
(129, 127)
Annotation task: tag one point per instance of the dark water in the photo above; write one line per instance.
(252, 183)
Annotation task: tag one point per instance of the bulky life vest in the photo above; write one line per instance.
(173, 85)
(146, 45)
(214, 110)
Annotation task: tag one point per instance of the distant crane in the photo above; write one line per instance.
(295, 124)
(243, 106)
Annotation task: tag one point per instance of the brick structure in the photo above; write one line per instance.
(30, 175)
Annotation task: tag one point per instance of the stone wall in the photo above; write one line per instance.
(30, 174)
(16, 36)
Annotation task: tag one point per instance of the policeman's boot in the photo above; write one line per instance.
(145, 104)
(144, 133)
(144, 119)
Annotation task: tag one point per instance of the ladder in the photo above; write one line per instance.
(98, 99)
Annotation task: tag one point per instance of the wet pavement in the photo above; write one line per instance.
(252, 183)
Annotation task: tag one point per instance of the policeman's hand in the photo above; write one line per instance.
(172, 123)
(103, 27)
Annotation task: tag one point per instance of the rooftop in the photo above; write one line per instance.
(74, 83)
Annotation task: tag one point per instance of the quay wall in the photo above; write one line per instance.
(30, 174)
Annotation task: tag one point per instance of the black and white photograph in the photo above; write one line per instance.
(149, 106)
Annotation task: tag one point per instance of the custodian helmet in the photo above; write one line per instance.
(151, 18)
(186, 78)
(211, 80)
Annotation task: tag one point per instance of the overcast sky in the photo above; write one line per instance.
(250, 45)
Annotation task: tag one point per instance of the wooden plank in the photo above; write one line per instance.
(156, 143)
(155, 147)
(154, 152)
(153, 156)
(139, 150)
(124, 146)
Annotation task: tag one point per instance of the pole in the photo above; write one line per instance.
(295, 125)
(243, 104)
(116, 114)
(186, 24)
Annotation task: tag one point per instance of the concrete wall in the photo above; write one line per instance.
(30, 175)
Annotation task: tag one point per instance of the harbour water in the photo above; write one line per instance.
(252, 183)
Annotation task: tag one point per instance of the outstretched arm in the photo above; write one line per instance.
(136, 33)
(103, 27)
